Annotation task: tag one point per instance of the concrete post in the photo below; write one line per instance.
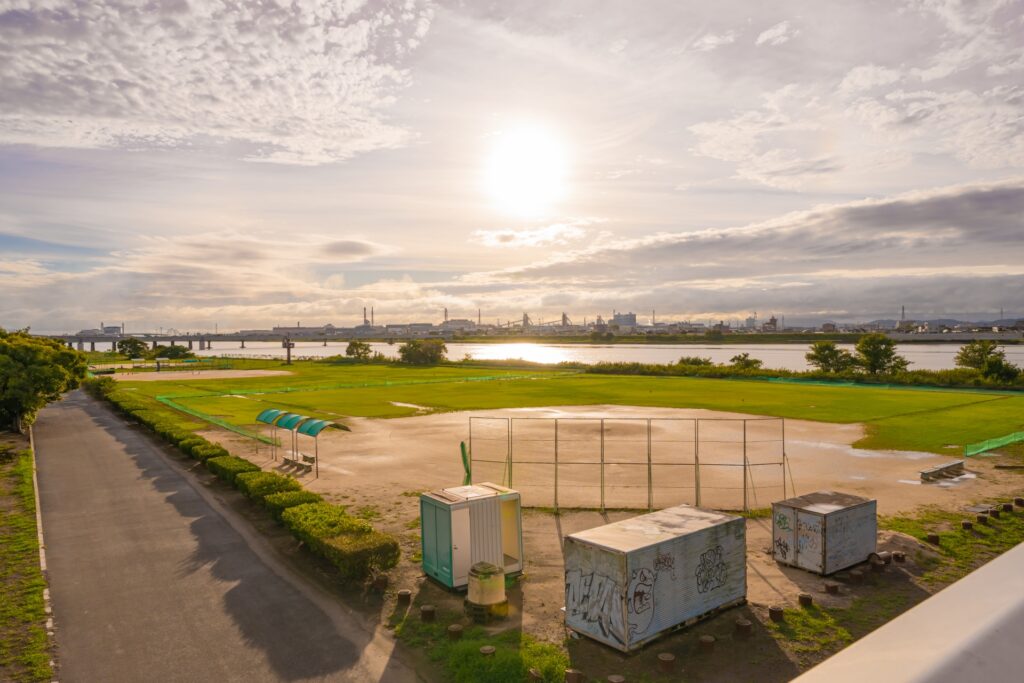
(189, 344)
(92, 346)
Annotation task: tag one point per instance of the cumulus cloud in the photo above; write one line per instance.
(780, 33)
(302, 82)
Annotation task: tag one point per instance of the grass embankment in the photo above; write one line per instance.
(656, 339)
(24, 645)
(816, 632)
(515, 653)
(896, 417)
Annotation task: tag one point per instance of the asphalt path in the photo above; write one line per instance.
(152, 578)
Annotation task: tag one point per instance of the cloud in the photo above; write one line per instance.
(713, 41)
(868, 76)
(556, 233)
(300, 82)
(780, 33)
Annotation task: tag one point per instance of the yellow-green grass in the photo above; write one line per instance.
(902, 418)
(24, 645)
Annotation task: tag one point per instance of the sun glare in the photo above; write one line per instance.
(525, 172)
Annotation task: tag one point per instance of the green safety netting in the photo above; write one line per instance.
(992, 444)
(269, 415)
(290, 420)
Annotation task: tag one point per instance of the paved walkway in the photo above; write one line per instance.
(152, 579)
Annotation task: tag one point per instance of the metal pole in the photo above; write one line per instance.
(602, 464)
(744, 465)
(556, 464)
(470, 447)
(316, 456)
(784, 457)
(508, 452)
(650, 474)
(696, 461)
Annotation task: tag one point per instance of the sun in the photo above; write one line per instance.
(525, 172)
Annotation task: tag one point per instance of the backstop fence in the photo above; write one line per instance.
(726, 463)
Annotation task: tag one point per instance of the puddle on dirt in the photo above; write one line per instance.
(912, 482)
(861, 453)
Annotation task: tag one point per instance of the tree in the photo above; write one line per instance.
(828, 357)
(359, 350)
(423, 352)
(172, 352)
(132, 347)
(33, 372)
(695, 360)
(743, 361)
(876, 355)
(976, 354)
(996, 367)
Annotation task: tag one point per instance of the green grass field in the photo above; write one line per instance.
(897, 418)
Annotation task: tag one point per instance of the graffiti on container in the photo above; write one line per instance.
(808, 535)
(640, 600)
(711, 570)
(782, 548)
(782, 521)
(664, 562)
(596, 600)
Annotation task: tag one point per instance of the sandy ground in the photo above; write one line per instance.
(172, 375)
(381, 465)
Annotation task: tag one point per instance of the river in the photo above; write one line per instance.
(785, 356)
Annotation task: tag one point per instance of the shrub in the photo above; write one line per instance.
(193, 441)
(357, 555)
(257, 485)
(227, 467)
(277, 503)
(208, 451)
(350, 544)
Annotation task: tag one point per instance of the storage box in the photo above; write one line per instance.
(464, 525)
(628, 582)
(824, 531)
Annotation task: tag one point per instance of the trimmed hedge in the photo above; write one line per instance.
(277, 503)
(227, 467)
(358, 555)
(208, 451)
(258, 485)
(350, 544)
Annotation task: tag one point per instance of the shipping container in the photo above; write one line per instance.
(825, 531)
(628, 582)
(463, 525)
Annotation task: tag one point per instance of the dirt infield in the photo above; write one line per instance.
(172, 375)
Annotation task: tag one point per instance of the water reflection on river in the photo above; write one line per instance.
(786, 356)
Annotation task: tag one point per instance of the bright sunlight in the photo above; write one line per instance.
(526, 170)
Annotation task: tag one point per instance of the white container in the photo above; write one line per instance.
(825, 531)
(463, 525)
(628, 582)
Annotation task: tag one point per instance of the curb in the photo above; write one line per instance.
(47, 606)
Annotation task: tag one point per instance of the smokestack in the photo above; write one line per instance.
(372, 322)
(446, 314)
(365, 321)
(478, 318)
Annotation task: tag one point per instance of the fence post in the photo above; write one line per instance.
(696, 461)
(602, 464)
(744, 465)
(784, 457)
(508, 452)
(650, 477)
(556, 464)
(470, 450)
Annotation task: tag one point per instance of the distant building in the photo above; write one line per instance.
(770, 325)
(828, 327)
(458, 325)
(751, 322)
(299, 331)
(624, 319)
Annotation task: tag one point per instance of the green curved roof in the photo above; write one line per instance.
(290, 420)
(313, 427)
(269, 415)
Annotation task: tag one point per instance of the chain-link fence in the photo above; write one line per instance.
(728, 463)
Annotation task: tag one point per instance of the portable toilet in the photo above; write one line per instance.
(824, 531)
(464, 525)
(628, 582)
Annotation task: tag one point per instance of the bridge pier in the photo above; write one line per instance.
(209, 344)
(92, 346)
(81, 345)
(154, 343)
(189, 344)
(243, 343)
(202, 344)
(325, 342)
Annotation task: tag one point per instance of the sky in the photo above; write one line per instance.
(198, 163)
